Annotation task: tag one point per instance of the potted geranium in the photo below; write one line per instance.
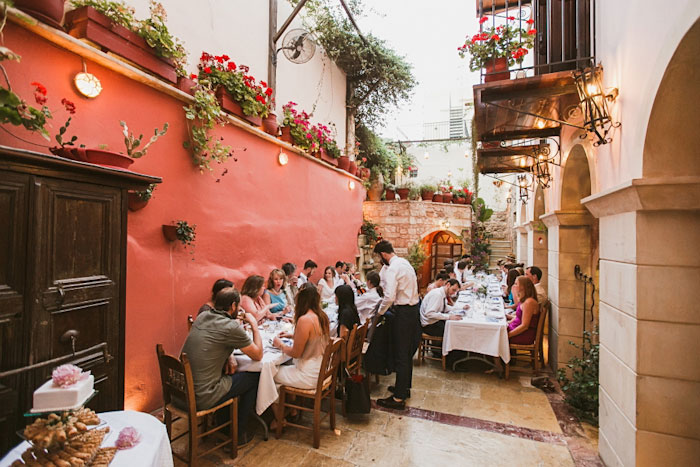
(458, 197)
(390, 193)
(369, 230)
(498, 47)
(427, 190)
(297, 129)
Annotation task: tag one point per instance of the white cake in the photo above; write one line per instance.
(51, 397)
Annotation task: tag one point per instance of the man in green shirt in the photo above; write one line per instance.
(215, 334)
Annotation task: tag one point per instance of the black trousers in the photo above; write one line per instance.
(436, 329)
(406, 333)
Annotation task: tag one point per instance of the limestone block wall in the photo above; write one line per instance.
(498, 225)
(406, 222)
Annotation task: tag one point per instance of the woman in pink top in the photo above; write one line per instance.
(252, 301)
(523, 328)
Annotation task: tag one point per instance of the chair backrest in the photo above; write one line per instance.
(353, 355)
(176, 379)
(330, 363)
(190, 322)
(544, 312)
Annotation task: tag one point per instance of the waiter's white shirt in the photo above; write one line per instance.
(401, 286)
(434, 307)
(302, 280)
(367, 303)
(459, 275)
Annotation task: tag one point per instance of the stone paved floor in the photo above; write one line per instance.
(455, 419)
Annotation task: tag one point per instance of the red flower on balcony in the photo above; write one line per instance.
(496, 37)
(532, 31)
(511, 18)
(68, 105)
(483, 20)
(207, 69)
(193, 76)
(530, 21)
(225, 57)
(268, 92)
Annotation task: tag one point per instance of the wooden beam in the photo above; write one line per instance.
(288, 21)
(522, 133)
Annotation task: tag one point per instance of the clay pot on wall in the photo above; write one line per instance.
(270, 124)
(495, 66)
(344, 163)
(437, 198)
(389, 194)
(328, 158)
(376, 188)
(460, 201)
(403, 192)
(170, 232)
(232, 107)
(427, 195)
(135, 202)
(95, 156)
(352, 168)
(447, 197)
(286, 135)
(46, 11)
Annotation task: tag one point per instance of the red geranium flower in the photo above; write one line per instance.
(69, 106)
(530, 21)
(496, 37)
(268, 91)
(532, 32)
(39, 93)
(263, 84)
(260, 99)
(225, 57)
(219, 59)
(483, 20)
(207, 69)
(205, 57)
(511, 18)
(193, 76)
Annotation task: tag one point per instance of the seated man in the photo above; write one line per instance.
(214, 336)
(535, 274)
(439, 281)
(433, 309)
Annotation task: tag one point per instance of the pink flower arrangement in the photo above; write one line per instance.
(128, 438)
(68, 375)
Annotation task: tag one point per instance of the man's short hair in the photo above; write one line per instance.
(309, 264)
(450, 269)
(448, 262)
(289, 268)
(462, 264)
(537, 272)
(452, 282)
(218, 285)
(442, 276)
(339, 264)
(383, 246)
(226, 298)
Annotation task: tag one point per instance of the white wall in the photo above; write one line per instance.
(239, 28)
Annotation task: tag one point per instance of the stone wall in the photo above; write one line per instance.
(407, 222)
(498, 225)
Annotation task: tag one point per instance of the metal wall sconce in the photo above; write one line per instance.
(594, 103)
(87, 84)
(351, 185)
(445, 224)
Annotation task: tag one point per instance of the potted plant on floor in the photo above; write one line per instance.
(427, 190)
(113, 26)
(390, 193)
(498, 47)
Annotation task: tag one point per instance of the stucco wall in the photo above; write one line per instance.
(239, 28)
(255, 217)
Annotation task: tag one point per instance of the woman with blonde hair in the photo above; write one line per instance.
(523, 328)
(274, 294)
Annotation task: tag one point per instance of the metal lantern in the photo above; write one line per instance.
(523, 184)
(594, 103)
(541, 172)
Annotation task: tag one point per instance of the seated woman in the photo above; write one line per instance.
(218, 285)
(509, 296)
(290, 287)
(311, 336)
(326, 285)
(523, 328)
(347, 311)
(367, 302)
(275, 295)
(252, 301)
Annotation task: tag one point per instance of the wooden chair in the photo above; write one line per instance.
(178, 386)
(353, 353)
(427, 345)
(531, 352)
(325, 388)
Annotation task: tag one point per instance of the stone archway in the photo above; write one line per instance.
(571, 228)
(649, 271)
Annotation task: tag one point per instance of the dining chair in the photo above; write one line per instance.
(530, 352)
(353, 354)
(178, 391)
(429, 344)
(325, 389)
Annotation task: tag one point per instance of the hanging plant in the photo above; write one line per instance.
(182, 232)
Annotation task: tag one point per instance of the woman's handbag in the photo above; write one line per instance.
(357, 394)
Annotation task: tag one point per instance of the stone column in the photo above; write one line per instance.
(521, 253)
(569, 234)
(649, 321)
(537, 249)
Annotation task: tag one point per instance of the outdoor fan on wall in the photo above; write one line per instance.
(298, 46)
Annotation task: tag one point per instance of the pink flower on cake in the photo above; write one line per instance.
(67, 375)
(128, 438)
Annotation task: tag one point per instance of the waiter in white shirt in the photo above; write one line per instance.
(305, 274)
(434, 308)
(401, 291)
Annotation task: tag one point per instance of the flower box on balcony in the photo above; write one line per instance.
(232, 107)
(86, 23)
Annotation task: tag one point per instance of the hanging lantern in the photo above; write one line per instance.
(523, 184)
(594, 103)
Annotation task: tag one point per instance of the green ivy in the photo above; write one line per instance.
(203, 115)
(581, 391)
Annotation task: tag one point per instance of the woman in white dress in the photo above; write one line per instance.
(326, 285)
(367, 302)
(311, 336)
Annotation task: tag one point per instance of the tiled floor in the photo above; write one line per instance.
(455, 419)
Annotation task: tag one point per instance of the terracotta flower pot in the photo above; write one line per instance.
(344, 163)
(328, 158)
(270, 124)
(496, 66)
(135, 202)
(286, 135)
(47, 11)
(460, 201)
(437, 198)
(390, 195)
(186, 84)
(376, 188)
(447, 197)
(232, 107)
(170, 232)
(352, 168)
(402, 192)
(427, 195)
(88, 23)
(95, 156)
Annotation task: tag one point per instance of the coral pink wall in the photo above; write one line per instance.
(256, 217)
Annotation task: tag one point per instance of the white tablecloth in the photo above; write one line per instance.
(152, 451)
(476, 332)
(272, 359)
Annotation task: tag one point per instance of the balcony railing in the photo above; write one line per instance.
(565, 32)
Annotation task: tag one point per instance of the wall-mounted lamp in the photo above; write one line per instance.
(594, 103)
(283, 158)
(87, 84)
(509, 200)
(445, 224)
(351, 185)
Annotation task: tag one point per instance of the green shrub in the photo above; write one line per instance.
(581, 391)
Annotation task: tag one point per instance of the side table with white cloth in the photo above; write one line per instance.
(482, 330)
(152, 451)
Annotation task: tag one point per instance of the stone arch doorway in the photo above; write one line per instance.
(440, 245)
(572, 228)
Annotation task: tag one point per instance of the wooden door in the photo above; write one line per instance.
(444, 246)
